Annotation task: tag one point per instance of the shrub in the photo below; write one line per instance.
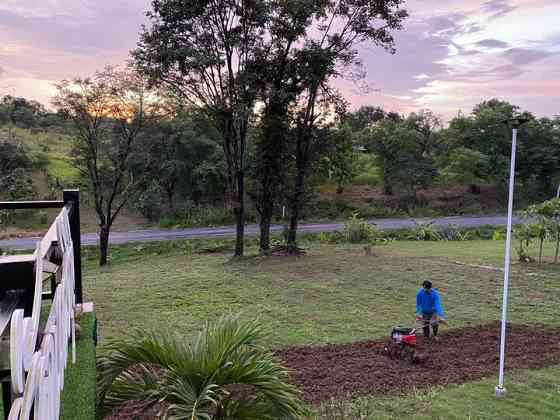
(220, 374)
(358, 230)
(425, 232)
(498, 235)
(198, 216)
(454, 233)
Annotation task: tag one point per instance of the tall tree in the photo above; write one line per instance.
(308, 42)
(428, 125)
(327, 50)
(540, 153)
(365, 117)
(278, 85)
(202, 51)
(400, 152)
(108, 112)
(183, 160)
(484, 130)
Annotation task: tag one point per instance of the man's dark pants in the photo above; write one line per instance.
(427, 320)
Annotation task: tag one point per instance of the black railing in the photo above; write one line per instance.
(21, 276)
(70, 198)
(20, 205)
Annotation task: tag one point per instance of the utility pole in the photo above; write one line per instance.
(515, 124)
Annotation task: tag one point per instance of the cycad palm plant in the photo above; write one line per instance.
(220, 374)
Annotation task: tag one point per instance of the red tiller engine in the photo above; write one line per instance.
(404, 335)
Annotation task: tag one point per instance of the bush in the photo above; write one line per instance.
(454, 233)
(201, 216)
(196, 378)
(358, 230)
(498, 235)
(425, 232)
(331, 209)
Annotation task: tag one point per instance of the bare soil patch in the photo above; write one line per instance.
(345, 371)
(447, 198)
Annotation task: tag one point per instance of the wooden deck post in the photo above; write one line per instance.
(72, 197)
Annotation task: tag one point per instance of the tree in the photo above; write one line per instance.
(15, 171)
(184, 162)
(202, 52)
(326, 51)
(466, 166)
(400, 152)
(21, 112)
(220, 374)
(108, 112)
(365, 117)
(540, 153)
(538, 149)
(485, 131)
(547, 214)
(338, 159)
(278, 87)
(428, 126)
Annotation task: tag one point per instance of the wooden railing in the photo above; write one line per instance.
(34, 378)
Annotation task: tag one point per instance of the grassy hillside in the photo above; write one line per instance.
(50, 154)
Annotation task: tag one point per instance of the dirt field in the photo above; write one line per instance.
(346, 371)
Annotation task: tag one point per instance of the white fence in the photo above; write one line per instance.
(37, 368)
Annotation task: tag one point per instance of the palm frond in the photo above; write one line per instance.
(191, 379)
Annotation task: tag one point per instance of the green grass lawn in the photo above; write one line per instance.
(532, 394)
(337, 294)
(334, 294)
(78, 396)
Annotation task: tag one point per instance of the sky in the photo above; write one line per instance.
(451, 54)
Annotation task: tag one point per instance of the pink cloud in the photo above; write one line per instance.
(451, 54)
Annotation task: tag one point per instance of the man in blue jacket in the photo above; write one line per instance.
(429, 309)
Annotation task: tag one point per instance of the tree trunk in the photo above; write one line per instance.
(239, 212)
(264, 241)
(474, 189)
(270, 165)
(541, 250)
(104, 243)
(295, 207)
(170, 194)
(557, 247)
(387, 187)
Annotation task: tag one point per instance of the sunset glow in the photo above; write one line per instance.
(450, 55)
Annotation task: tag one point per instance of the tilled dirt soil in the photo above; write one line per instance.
(345, 371)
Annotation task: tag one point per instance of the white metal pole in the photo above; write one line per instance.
(558, 192)
(500, 390)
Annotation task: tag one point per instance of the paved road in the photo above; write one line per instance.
(149, 235)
